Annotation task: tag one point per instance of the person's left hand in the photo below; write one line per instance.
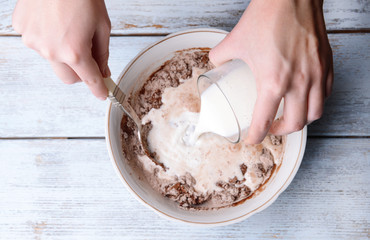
(72, 34)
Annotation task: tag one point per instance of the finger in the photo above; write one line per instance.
(65, 73)
(263, 115)
(295, 114)
(18, 13)
(88, 71)
(330, 78)
(315, 103)
(100, 48)
(222, 52)
(30, 42)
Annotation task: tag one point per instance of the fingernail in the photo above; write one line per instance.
(102, 98)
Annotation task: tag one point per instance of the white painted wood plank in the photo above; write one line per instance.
(67, 189)
(167, 16)
(34, 103)
(347, 111)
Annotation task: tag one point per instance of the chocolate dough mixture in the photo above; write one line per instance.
(189, 189)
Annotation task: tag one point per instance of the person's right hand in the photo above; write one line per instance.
(72, 34)
(285, 44)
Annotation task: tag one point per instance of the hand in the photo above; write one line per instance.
(72, 34)
(285, 44)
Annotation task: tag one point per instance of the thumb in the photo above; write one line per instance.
(222, 52)
(100, 49)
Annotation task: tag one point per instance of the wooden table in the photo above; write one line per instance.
(56, 179)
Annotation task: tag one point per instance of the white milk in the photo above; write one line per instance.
(211, 159)
(225, 111)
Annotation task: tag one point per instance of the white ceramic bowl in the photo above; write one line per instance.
(131, 78)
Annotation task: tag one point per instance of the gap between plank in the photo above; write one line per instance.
(101, 138)
(50, 138)
(162, 34)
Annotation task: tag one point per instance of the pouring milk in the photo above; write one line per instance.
(227, 104)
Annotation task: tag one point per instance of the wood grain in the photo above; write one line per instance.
(347, 111)
(167, 16)
(34, 103)
(67, 189)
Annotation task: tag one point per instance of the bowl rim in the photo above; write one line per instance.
(266, 204)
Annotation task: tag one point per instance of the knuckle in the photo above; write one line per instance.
(28, 41)
(91, 81)
(47, 53)
(301, 82)
(301, 77)
(276, 87)
(72, 55)
(315, 115)
(278, 80)
(296, 126)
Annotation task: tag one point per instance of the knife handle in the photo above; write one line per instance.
(118, 98)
